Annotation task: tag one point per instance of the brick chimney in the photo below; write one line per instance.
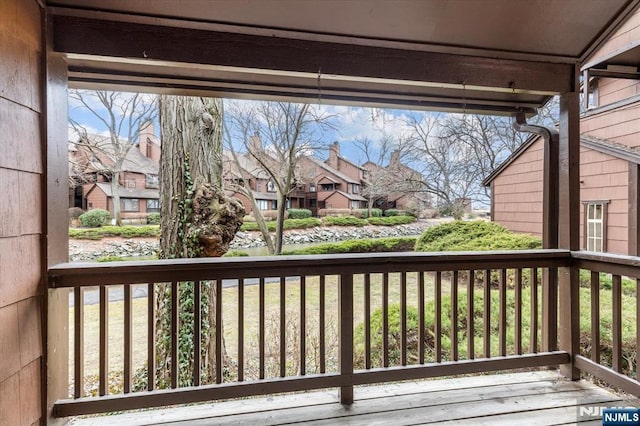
(394, 161)
(148, 144)
(255, 144)
(334, 153)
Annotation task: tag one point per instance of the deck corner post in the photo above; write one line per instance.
(346, 338)
(569, 229)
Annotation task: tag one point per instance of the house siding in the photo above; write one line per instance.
(620, 125)
(21, 221)
(606, 178)
(517, 193)
(625, 35)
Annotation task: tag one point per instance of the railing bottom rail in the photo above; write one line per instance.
(159, 398)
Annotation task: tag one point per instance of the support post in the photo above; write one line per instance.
(569, 227)
(346, 337)
(634, 208)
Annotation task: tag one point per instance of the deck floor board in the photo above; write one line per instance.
(540, 398)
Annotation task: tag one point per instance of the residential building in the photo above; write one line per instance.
(609, 156)
(395, 186)
(91, 167)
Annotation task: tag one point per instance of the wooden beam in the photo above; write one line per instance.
(569, 227)
(81, 35)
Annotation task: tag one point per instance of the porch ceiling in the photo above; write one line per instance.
(493, 56)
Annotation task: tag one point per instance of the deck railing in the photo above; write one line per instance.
(287, 324)
(615, 361)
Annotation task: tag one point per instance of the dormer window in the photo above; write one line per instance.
(271, 187)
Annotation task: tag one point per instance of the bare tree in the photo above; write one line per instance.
(286, 132)
(122, 115)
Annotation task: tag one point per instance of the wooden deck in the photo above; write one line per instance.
(536, 398)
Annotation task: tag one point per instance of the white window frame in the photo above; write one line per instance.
(595, 225)
(127, 203)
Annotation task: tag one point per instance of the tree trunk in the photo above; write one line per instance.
(197, 219)
(115, 197)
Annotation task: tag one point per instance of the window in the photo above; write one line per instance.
(355, 204)
(130, 204)
(271, 187)
(312, 187)
(328, 186)
(356, 188)
(266, 204)
(131, 183)
(153, 206)
(312, 202)
(152, 181)
(595, 225)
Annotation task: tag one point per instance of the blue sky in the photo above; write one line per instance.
(350, 124)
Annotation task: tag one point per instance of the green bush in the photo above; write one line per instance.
(236, 253)
(309, 222)
(153, 219)
(94, 218)
(344, 221)
(391, 212)
(376, 213)
(374, 245)
(474, 236)
(128, 231)
(299, 213)
(391, 220)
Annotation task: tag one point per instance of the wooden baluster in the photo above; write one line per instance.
(403, 318)
(197, 333)
(323, 362)
(103, 385)
(261, 316)
(454, 316)
(470, 316)
(151, 336)
(421, 345)
(219, 366)
(241, 330)
(367, 321)
(486, 280)
(616, 323)
(533, 347)
(385, 319)
(78, 342)
(517, 338)
(283, 325)
(175, 329)
(127, 338)
(595, 316)
(346, 336)
(503, 312)
(303, 325)
(438, 316)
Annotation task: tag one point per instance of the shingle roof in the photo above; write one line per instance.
(128, 192)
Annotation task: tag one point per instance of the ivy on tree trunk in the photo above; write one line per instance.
(197, 220)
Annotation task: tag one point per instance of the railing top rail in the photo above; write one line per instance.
(607, 262)
(91, 274)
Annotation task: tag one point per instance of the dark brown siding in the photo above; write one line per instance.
(517, 193)
(21, 172)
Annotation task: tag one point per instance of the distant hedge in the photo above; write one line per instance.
(372, 245)
(391, 220)
(344, 221)
(474, 236)
(299, 213)
(94, 218)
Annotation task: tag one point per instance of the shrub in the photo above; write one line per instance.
(94, 218)
(391, 212)
(334, 212)
(309, 222)
(474, 236)
(75, 212)
(391, 220)
(115, 231)
(236, 253)
(299, 213)
(376, 213)
(374, 245)
(153, 219)
(344, 221)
